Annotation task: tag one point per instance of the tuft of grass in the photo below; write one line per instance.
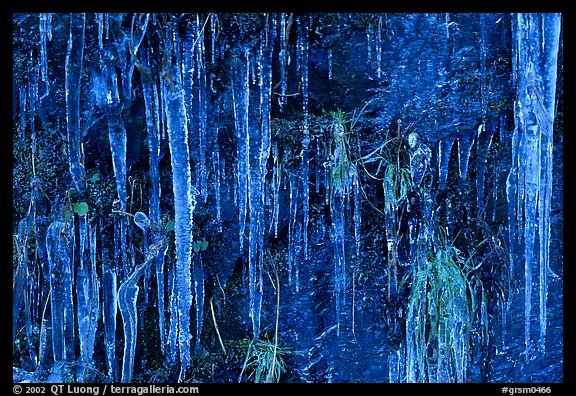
(264, 362)
(441, 310)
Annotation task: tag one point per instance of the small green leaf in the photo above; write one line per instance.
(95, 177)
(81, 208)
(203, 245)
(170, 226)
(196, 247)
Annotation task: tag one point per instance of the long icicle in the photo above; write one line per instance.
(152, 106)
(184, 204)
(127, 298)
(73, 66)
(551, 28)
(534, 117)
(59, 247)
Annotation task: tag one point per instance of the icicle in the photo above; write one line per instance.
(520, 186)
(330, 64)
(24, 285)
(419, 158)
(394, 367)
(305, 190)
(44, 28)
(117, 138)
(106, 92)
(414, 353)
(551, 35)
(305, 154)
(73, 66)
(127, 298)
(217, 176)
(240, 104)
(357, 217)
(202, 175)
(465, 144)
(122, 44)
(87, 294)
(23, 110)
(532, 185)
(188, 69)
(379, 48)
(100, 22)
(298, 255)
(483, 84)
(534, 116)
(184, 204)
(107, 25)
(20, 274)
(259, 152)
(109, 311)
(83, 289)
(444, 149)
(32, 94)
(95, 286)
(213, 26)
(482, 149)
(369, 34)
(303, 39)
(283, 58)
(59, 244)
(137, 33)
(152, 108)
(511, 183)
(172, 340)
(45, 354)
(118, 146)
(49, 27)
(495, 179)
(198, 276)
(339, 256)
(318, 168)
(276, 181)
(338, 237)
(294, 198)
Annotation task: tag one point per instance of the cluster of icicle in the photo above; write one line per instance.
(529, 183)
(176, 109)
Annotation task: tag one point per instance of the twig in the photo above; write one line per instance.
(216, 327)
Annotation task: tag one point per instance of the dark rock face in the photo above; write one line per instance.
(379, 77)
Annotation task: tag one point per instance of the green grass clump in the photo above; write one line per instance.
(441, 311)
(264, 362)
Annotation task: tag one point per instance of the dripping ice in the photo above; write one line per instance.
(184, 204)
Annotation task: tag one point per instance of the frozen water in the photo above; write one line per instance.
(109, 311)
(87, 293)
(444, 149)
(59, 244)
(45, 33)
(73, 65)
(305, 190)
(465, 143)
(184, 204)
(529, 182)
